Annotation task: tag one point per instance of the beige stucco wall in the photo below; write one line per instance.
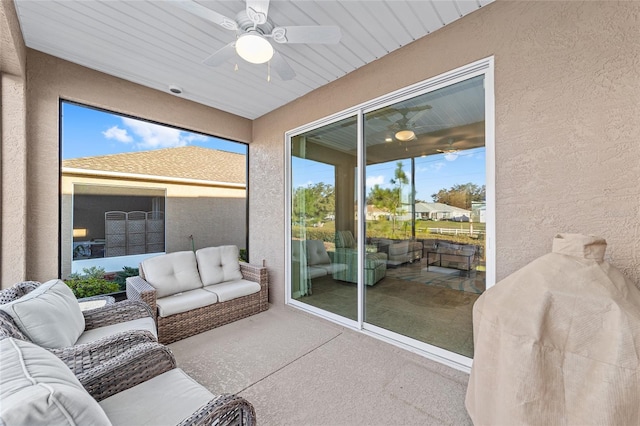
(567, 118)
(214, 215)
(50, 79)
(13, 153)
(567, 103)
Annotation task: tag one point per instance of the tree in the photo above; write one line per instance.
(460, 195)
(390, 199)
(314, 201)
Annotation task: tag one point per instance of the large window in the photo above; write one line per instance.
(131, 189)
(392, 213)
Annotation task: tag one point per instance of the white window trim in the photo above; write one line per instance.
(481, 67)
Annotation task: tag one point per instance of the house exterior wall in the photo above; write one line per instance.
(49, 79)
(13, 152)
(214, 215)
(566, 131)
(567, 107)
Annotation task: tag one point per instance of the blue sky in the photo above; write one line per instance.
(87, 132)
(433, 172)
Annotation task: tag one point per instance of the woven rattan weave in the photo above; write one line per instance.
(179, 326)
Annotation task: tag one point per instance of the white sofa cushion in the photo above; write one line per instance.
(316, 272)
(183, 302)
(166, 399)
(37, 388)
(316, 253)
(332, 268)
(172, 273)
(137, 324)
(231, 290)
(400, 248)
(49, 315)
(218, 264)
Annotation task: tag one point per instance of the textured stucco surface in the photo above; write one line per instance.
(12, 49)
(213, 215)
(567, 107)
(13, 152)
(567, 112)
(50, 79)
(13, 160)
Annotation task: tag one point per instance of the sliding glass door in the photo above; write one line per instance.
(391, 211)
(324, 255)
(425, 189)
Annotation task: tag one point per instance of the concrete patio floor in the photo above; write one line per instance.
(298, 369)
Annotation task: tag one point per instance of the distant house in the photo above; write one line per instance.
(374, 213)
(439, 211)
(122, 208)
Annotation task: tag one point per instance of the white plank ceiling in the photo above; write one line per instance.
(157, 44)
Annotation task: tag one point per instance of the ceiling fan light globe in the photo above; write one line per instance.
(451, 156)
(254, 48)
(405, 135)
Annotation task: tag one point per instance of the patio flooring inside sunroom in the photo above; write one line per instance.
(298, 369)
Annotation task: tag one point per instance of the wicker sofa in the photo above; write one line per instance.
(38, 389)
(193, 292)
(398, 251)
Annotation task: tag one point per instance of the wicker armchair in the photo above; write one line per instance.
(82, 357)
(143, 387)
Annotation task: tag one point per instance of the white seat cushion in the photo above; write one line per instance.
(172, 273)
(234, 289)
(333, 267)
(183, 302)
(218, 264)
(316, 272)
(166, 399)
(37, 388)
(136, 324)
(49, 315)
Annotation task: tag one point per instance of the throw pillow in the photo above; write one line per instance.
(218, 264)
(172, 273)
(49, 315)
(37, 388)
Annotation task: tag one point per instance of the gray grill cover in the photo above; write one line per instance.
(558, 342)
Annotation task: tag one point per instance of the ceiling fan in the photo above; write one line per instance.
(253, 31)
(403, 127)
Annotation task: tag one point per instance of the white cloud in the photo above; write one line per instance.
(154, 136)
(118, 134)
(375, 180)
(432, 167)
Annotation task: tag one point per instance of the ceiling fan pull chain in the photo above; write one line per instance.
(236, 67)
(269, 71)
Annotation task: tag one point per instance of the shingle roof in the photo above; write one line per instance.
(190, 162)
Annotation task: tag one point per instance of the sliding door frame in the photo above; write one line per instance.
(482, 67)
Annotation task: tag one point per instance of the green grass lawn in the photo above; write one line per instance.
(424, 229)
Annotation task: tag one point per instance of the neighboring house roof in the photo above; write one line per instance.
(188, 162)
(374, 210)
(438, 207)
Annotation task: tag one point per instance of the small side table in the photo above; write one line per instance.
(88, 303)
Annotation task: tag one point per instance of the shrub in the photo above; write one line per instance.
(244, 255)
(90, 283)
(121, 276)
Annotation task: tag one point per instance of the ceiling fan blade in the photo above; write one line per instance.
(221, 56)
(206, 13)
(258, 10)
(329, 34)
(282, 67)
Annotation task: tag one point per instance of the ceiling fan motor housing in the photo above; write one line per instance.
(245, 24)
